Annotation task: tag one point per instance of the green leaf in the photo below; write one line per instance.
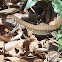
(57, 8)
(57, 1)
(61, 3)
(57, 5)
(59, 32)
(60, 47)
(60, 41)
(53, 4)
(30, 3)
(46, 1)
(60, 14)
(23, 0)
(60, 27)
(58, 36)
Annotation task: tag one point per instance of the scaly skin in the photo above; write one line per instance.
(39, 29)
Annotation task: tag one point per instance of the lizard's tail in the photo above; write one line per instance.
(58, 21)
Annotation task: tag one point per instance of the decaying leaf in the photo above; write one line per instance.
(8, 11)
(12, 44)
(12, 59)
(38, 60)
(17, 36)
(13, 53)
(16, 45)
(1, 58)
(45, 60)
(6, 39)
(2, 44)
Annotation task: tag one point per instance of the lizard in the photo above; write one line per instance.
(39, 29)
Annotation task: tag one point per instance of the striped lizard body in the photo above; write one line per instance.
(39, 29)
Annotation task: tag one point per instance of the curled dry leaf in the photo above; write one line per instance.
(54, 34)
(42, 49)
(22, 60)
(45, 60)
(20, 49)
(30, 54)
(20, 15)
(25, 10)
(56, 57)
(10, 10)
(12, 44)
(41, 52)
(31, 43)
(12, 59)
(1, 21)
(6, 39)
(17, 36)
(6, 30)
(30, 33)
(11, 5)
(51, 54)
(2, 47)
(44, 43)
(13, 53)
(54, 42)
(38, 60)
(2, 58)
(33, 46)
(32, 38)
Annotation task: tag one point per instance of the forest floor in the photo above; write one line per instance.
(25, 35)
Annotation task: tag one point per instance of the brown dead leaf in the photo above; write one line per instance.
(38, 60)
(45, 60)
(12, 59)
(2, 58)
(31, 43)
(2, 44)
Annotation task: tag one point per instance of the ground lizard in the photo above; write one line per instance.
(39, 29)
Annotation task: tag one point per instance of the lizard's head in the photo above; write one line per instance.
(11, 21)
